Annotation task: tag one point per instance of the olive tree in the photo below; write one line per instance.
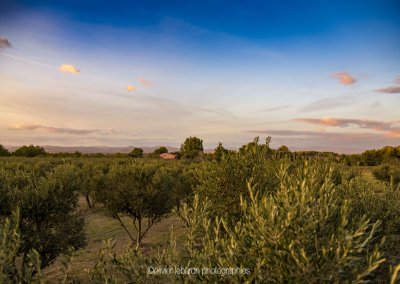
(48, 221)
(140, 190)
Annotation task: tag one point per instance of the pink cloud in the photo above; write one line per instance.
(388, 127)
(4, 43)
(344, 78)
(59, 130)
(390, 90)
(145, 82)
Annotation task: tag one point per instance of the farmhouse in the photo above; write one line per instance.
(168, 156)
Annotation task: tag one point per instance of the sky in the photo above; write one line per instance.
(314, 75)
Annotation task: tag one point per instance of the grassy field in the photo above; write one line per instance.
(100, 227)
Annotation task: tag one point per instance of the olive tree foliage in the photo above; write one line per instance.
(10, 242)
(48, 223)
(91, 177)
(191, 148)
(388, 173)
(219, 152)
(303, 232)
(224, 181)
(379, 201)
(141, 191)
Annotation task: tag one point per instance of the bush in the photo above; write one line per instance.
(48, 221)
(390, 174)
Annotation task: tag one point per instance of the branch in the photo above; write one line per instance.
(123, 226)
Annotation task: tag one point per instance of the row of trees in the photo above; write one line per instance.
(46, 194)
(192, 149)
(386, 154)
(24, 151)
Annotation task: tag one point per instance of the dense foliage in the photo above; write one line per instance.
(4, 152)
(48, 221)
(255, 215)
(136, 153)
(29, 151)
(192, 148)
(141, 191)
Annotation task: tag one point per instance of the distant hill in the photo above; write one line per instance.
(95, 149)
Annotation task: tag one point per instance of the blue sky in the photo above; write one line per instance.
(318, 75)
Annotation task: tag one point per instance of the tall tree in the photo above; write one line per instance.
(3, 151)
(29, 151)
(219, 152)
(192, 147)
(136, 153)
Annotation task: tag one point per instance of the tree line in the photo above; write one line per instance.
(192, 149)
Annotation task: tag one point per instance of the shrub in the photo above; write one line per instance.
(48, 221)
(389, 174)
(137, 190)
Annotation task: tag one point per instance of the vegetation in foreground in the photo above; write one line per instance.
(256, 215)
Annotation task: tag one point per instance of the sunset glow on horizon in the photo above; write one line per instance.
(313, 75)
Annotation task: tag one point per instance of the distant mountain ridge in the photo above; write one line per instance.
(95, 149)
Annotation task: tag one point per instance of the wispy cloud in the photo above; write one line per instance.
(276, 108)
(68, 68)
(344, 78)
(131, 88)
(390, 90)
(388, 127)
(315, 134)
(145, 82)
(28, 61)
(329, 103)
(4, 43)
(60, 130)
